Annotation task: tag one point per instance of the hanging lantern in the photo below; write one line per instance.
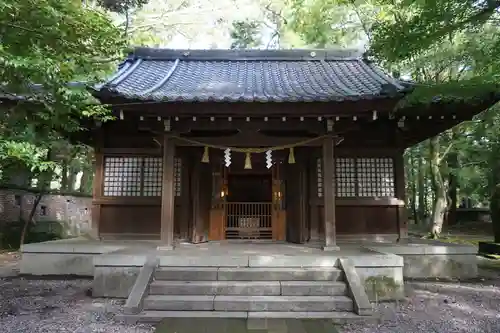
(206, 157)
(291, 156)
(248, 161)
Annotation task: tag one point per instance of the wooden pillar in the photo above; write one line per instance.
(313, 199)
(329, 194)
(185, 205)
(167, 195)
(402, 216)
(97, 185)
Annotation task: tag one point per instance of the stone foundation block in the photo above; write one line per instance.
(57, 264)
(461, 266)
(114, 281)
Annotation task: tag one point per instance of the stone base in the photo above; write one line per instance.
(114, 281)
(434, 259)
(330, 248)
(165, 248)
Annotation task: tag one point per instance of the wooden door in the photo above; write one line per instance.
(201, 190)
(294, 232)
(278, 205)
(218, 204)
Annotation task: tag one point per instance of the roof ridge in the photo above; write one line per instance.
(246, 55)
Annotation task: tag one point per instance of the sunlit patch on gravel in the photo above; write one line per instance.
(49, 306)
(439, 307)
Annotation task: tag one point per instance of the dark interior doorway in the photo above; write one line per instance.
(249, 188)
(249, 206)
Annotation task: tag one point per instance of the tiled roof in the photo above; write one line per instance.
(248, 76)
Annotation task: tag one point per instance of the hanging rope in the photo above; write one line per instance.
(246, 150)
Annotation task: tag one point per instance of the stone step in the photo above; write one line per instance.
(248, 303)
(255, 288)
(186, 273)
(253, 318)
(279, 274)
(179, 302)
(215, 288)
(283, 303)
(313, 288)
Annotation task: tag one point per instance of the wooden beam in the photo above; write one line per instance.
(329, 194)
(133, 151)
(167, 195)
(223, 123)
(361, 202)
(285, 109)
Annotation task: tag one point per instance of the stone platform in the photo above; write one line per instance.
(381, 266)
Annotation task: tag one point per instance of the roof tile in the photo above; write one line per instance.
(247, 76)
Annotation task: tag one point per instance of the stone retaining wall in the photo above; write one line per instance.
(68, 214)
(434, 259)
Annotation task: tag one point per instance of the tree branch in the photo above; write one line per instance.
(446, 151)
(363, 24)
(482, 15)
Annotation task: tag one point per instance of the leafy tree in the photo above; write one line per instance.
(46, 46)
(450, 47)
(336, 23)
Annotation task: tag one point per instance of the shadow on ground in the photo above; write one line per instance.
(234, 325)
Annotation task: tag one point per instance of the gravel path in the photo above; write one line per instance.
(439, 307)
(49, 306)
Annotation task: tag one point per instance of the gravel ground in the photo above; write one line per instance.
(440, 307)
(48, 306)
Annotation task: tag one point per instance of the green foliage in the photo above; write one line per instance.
(407, 28)
(11, 234)
(46, 46)
(245, 35)
(331, 23)
(121, 6)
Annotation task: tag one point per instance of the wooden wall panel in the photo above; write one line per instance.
(356, 220)
(129, 219)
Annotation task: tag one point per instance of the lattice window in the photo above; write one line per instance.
(319, 172)
(122, 176)
(152, 177)
(375, 177)
(137, 176)
(177, 176)
(345, 173)
(360, 177)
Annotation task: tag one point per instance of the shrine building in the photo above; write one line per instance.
(292, 145)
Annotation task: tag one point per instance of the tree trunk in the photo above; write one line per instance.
(64, 176)
(421, 189)
(86, 182)
(71, 179)
(441, 201)
(413, 185)
(452, 192)
(30, 217)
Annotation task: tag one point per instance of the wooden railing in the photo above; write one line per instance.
(249, 220)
